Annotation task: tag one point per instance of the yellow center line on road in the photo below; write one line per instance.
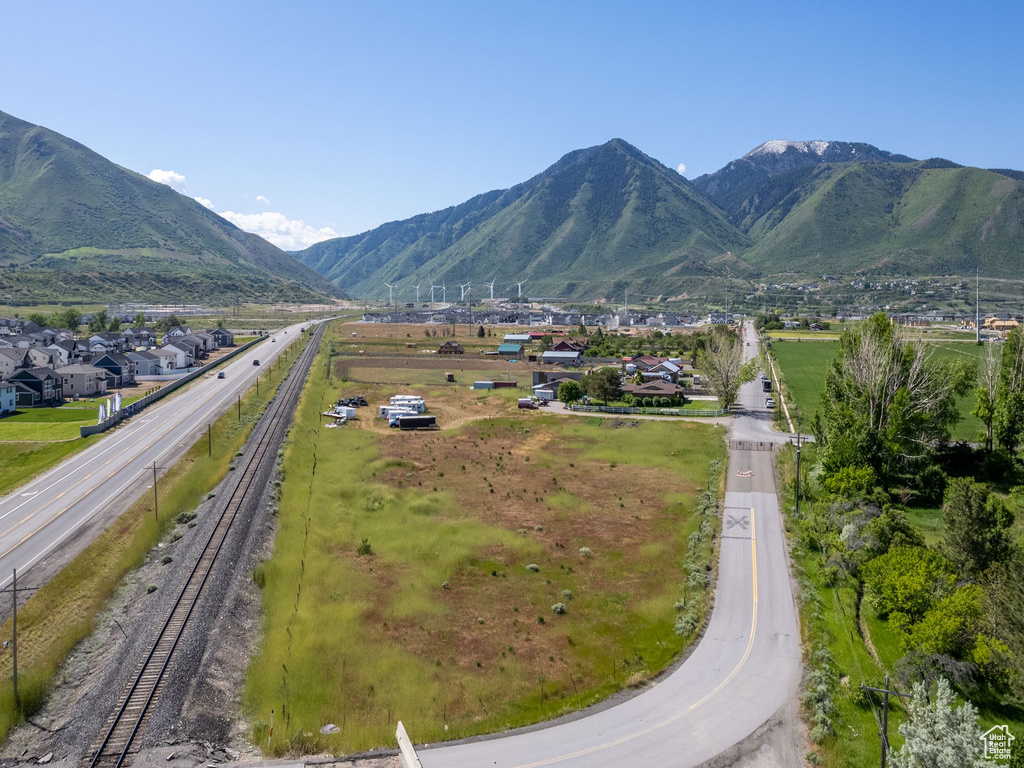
(96, 486)
(678, 715)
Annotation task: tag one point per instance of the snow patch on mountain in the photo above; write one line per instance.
(778, 146)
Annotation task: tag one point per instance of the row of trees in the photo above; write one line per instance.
(882, 441)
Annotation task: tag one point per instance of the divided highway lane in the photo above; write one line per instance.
(743, 670)
(41, 515)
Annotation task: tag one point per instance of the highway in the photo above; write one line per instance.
(93, 486)
(743, 670)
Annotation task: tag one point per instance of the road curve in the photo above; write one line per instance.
(742, 671)
(38, 517)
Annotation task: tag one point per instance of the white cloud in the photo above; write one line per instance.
(172, 179)
(289, 234)
(681, 168)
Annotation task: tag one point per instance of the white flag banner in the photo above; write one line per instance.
(102, 414)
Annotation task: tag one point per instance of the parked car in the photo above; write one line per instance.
(220, 375)
(769, 402)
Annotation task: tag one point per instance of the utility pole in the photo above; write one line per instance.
(977, 304)
(798, 474)
(14, 589)
(156, 509)
(209, 440)
(886, 693)
(239, 407)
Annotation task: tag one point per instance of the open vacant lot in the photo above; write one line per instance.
(415, 574)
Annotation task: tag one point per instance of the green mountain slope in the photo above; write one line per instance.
(596, 220)
(74, 225)
(759, 181)
(900, 218)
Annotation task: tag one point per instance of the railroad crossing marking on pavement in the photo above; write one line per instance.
(732, 521)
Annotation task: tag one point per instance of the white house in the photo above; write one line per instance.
(182, 355)
(168, 359)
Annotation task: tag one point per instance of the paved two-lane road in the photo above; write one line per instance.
(41, 516)
(741, 673)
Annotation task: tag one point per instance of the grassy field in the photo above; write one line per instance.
(469, 536)
(62, 612)
(802, 366)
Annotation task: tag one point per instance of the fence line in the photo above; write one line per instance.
(651, 411)
(144, 402)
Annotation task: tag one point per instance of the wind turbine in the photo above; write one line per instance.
(521, 288)
(432, 287)
(390, 290)
(417, 293)
(491, 286)
(444, 293)
(463, 286)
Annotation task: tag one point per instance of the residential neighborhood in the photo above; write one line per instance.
(43, 367)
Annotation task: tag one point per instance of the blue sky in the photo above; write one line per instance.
(345, 115)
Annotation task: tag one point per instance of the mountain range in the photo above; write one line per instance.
(74, 225)
(601, 220)
(607, 217)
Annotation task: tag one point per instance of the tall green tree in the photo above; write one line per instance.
(986, 392)
(67, 318)
(114, 324)
(1008, 421)
(480, 332)
(939, 734)
(978, 527)
(604, 384)
(570, 391)
(98, 324)
(38, 318)
(887, 401)
(140, 319)
(722, 368)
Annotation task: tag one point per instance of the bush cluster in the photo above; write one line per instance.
(698, 563)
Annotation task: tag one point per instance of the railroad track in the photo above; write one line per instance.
(135, 704)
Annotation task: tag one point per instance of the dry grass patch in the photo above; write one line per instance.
(476, 531)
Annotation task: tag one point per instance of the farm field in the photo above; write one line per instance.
(416, 574)
(803, 366)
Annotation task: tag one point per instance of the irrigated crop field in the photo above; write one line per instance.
(416, 575)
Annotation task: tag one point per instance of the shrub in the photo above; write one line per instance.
(586, 552)
(186, 517)
(533, 568)
(567, 594)
(151, 589)
(166, 559)
(364, 548)
(445, 585)
(558, 608)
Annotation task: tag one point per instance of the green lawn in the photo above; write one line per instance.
(802, 365)
(23, 461)
(441, 622)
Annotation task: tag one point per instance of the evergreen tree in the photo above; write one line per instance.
(978, 526)
(939, 734)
